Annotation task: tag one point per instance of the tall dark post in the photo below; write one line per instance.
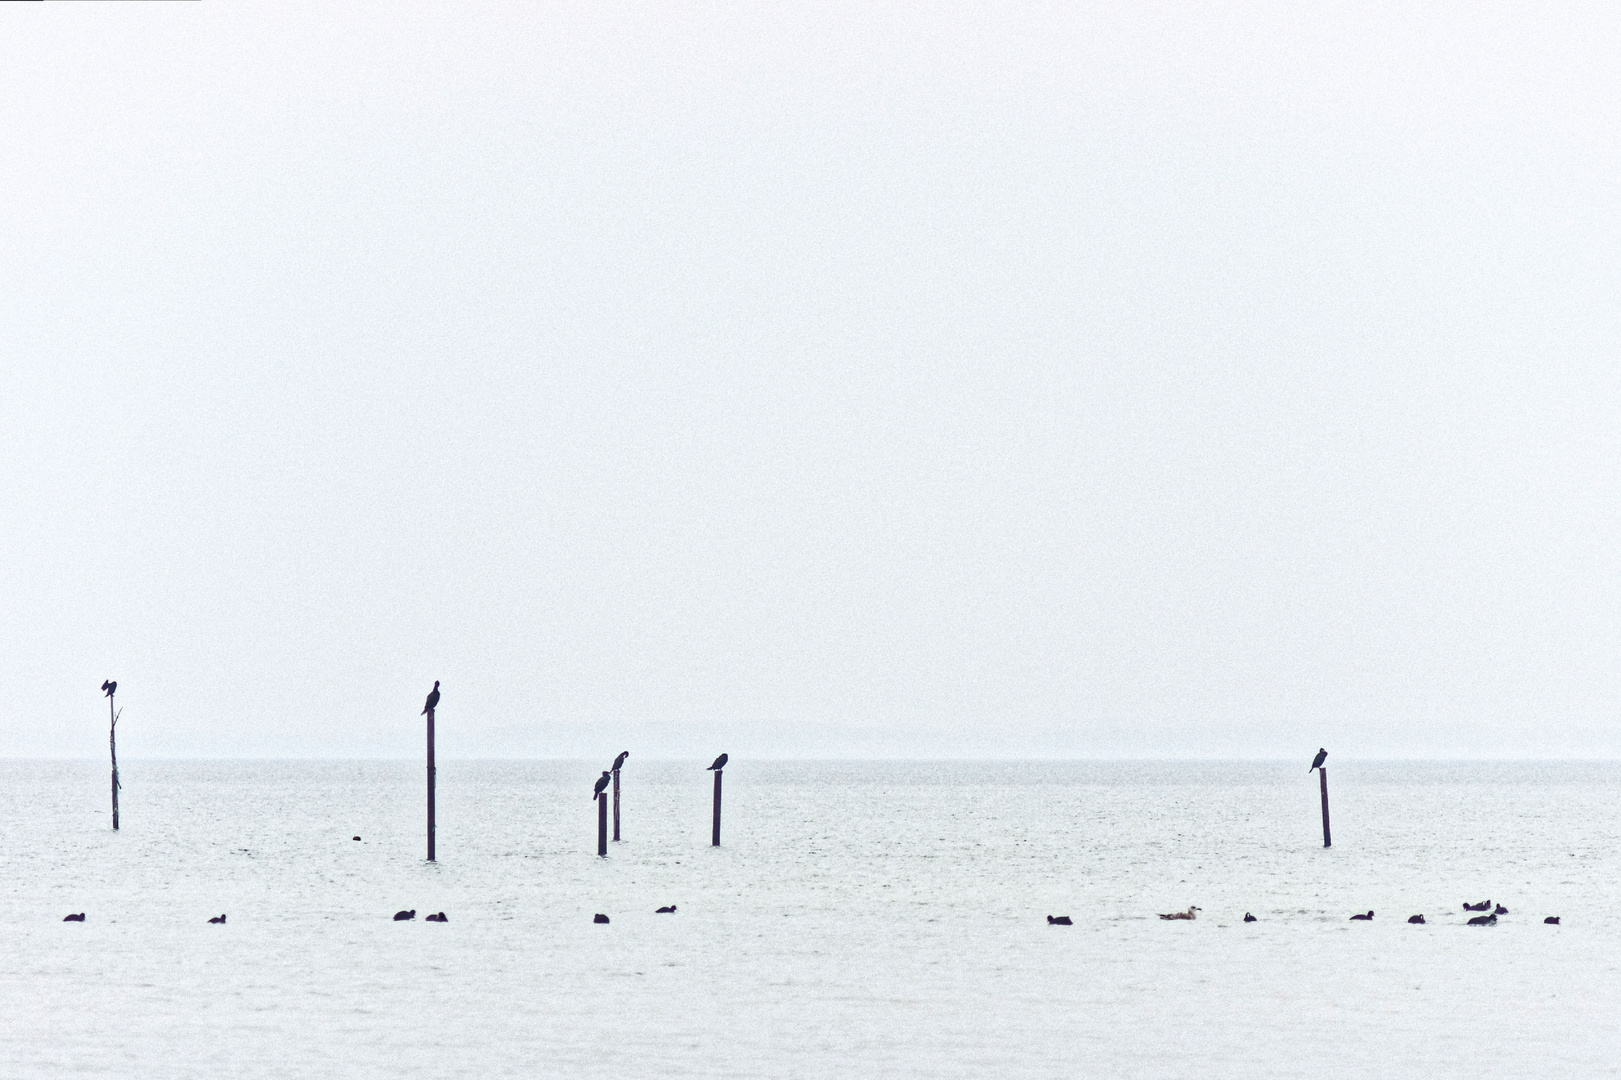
(432, 777)
(602, 823)
(715, 836)
(616, 806)
(1322, 776)
(112, 743)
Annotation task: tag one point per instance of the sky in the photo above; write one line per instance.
(823, 380)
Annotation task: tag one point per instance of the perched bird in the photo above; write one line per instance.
(1551, 920)
(405, 916)
(1417, 919)
(1362, 918)
(440, 917)
(1188, 914)
(218, 919)
(1501, 910)
(1483, 920)
(1248, 917)
(75, 918)
(1059, 920)
(1317, 762)
(599, 918)
(602, 782)
(1484, 905)
(720, 763)
(433, 700)
(109, 687)
(620, 760)
(666, 910)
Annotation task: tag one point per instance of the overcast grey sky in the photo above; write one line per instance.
(809, 380)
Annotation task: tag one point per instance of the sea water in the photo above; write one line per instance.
(859, 919)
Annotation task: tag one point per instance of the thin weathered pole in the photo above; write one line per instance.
(432, 777)
(616, 806)
(602, 823)
(1322, 776)
(715, 836)
(112, 744)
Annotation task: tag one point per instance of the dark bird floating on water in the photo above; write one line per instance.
(1362, 918)
(620, 760)
(666, 910)
(602, 782)
(1483, 920)
(109, 687)
(599, 918)
(440, 917)
(1501, 910)
(218, 919)
(1416, 919)
(357, 838)
(433, 700)
(1059, 920)
(1551, 920)
(405, 916)
(1317, 762)
(1484, 905)
(720, 763)
(75, 918)
(1248, 917)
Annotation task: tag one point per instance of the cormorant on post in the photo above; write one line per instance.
(620, 760)
(1316, 762)
(433, 700)
(109, 687)
(602, 781)
(720, 763)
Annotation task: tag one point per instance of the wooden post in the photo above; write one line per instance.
(715, 836)
(1322, 776)
(602, 823)
(112, 745)
(616, 806)
(431, 779)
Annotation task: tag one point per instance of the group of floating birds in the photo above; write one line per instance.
(1488, 919)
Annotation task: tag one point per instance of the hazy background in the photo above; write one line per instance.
(811, 380)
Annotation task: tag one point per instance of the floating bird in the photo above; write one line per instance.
(1248, 917)
(1362, 918)
(440, 917)
(218, 919)
(1059, 920)
(1501, 910)
(620, 760)
(720, 763)
(599, 918)
(433, 700)
(1551, 920)
(109, 687)
(1483, 920)
(355, 838)
(666, 910)
(1417, 919)
(1317, 762)
(405, 916)
(75, 918)
(602, 782)
(1484, 905)
(1188, 914)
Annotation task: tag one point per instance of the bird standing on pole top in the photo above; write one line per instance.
(602, 782)
(1317, 762)
(109, 687)
(720, 763)
(620, 760)
(433, 699)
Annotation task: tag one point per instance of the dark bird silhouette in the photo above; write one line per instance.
(1551, 920)
(218, 919)
(602, 782)
(720, 763)
(1248, 917)
(620, 760)
(440, 917)
(1059, 920)
(599, 918)
(1416, 919)
(109, 687)
(1483, 920)
(1484, 905)
(75, 918)
(357, 838)
(666, 910)
(405, 916)
(1317, 762)
(1362, 918)
(433, 699)
(1501, 910)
